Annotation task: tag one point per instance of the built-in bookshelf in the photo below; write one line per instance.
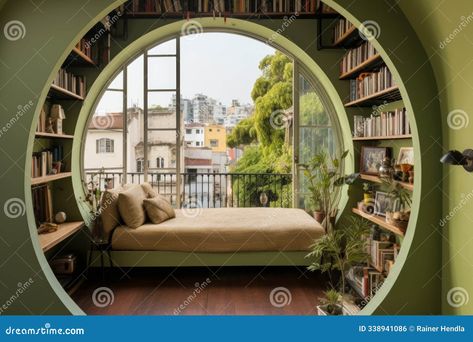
(382, 124)
(389, 137)
(377, 179)
(64, 230)
(391, 94)
(45, 135)
(379, 220)
(50, 178)
(227, 8)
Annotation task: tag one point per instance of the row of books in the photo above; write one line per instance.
(71, 82)
(383, 255)
(357, 56)
(47, 162)
(369, 83)
(233, 6)
(85, 47)
(385, 124)
(42, 204)
(341, 27)
(366, 281)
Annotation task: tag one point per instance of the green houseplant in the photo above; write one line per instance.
(331, 304)
(325, 176)
(341, 249)
(399, 212)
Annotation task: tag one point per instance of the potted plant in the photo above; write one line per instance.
(332, 304)
(399, 212)
(325, 176)
(341, 249)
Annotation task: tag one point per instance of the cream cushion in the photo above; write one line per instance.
(109, 210)
(158, 209)
(130, 206)
(224, 230)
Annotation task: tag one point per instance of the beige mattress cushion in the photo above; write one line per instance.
(158, 209)
(224, 230)
(109, 210)
(130, 206)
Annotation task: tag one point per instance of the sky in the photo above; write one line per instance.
(221, 65)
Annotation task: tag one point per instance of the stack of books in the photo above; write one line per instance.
(369, 83)
(47, 162)
(385, 124)
(71, 82)
(42, 122)
(42, 204)
(85, 47)
(341, 27)
(355, 57)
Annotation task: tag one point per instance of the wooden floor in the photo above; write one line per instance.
(186, 291)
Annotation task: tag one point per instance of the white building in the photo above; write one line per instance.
(194, 135)
(236, 113)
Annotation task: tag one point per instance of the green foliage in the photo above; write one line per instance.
(332, 301)
(397, 192)
(324, 176)
(341, 249)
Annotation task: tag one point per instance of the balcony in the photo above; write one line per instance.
(209, 189)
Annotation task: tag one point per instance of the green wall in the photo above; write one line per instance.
(434, 21)
(28, 65)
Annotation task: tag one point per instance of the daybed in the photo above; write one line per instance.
(212, 237)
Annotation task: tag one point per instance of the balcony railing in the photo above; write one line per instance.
(210, 189)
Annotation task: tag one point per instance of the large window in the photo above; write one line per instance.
(137, 132)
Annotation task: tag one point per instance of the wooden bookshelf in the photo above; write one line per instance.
(50, 178)
(77, 56)
(389, 137)
(53, 135)
(347, 38)
(60, 93)
(380, 221)
(390, 94)
(377, 179)
(368, 65)
(49, 240)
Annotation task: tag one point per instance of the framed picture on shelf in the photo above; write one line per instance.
(372, 159)
(382, 203)
(406, 156)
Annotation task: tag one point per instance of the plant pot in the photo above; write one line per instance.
(323, 311)
(394, 219)
(319, 216)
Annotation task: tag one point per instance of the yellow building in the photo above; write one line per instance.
(216, 138)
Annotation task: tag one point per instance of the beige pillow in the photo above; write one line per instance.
(158, 209)
(130, 205)
(109, 210)
(148, 189)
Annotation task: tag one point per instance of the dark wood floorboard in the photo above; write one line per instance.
(231, 291)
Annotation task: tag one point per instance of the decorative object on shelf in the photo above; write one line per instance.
(406, 155)
(405, 169)
(60, 217)
(400, 211)
(386, 169)
(57, 115)
(65, 264)
(372, 158)
(47, 227)
(49, 126)
(93, 199)
(367, 205)
(411, 177)
(358, 126)
(331, 304)
(455, 157)
(325, 176)
(341, 249)
(382, 203)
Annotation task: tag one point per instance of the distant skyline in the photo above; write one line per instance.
(223, 66)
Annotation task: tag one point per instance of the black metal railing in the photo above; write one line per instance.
(209, 189)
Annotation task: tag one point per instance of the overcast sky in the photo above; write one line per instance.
(221, 65)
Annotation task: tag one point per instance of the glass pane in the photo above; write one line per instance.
(117, 82)
(135, 80)
(313, 141)
(162, 72)
(110, 102)
(161, 110)
(312, 112)
(166, 48)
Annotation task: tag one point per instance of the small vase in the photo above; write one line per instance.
(319, 216)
